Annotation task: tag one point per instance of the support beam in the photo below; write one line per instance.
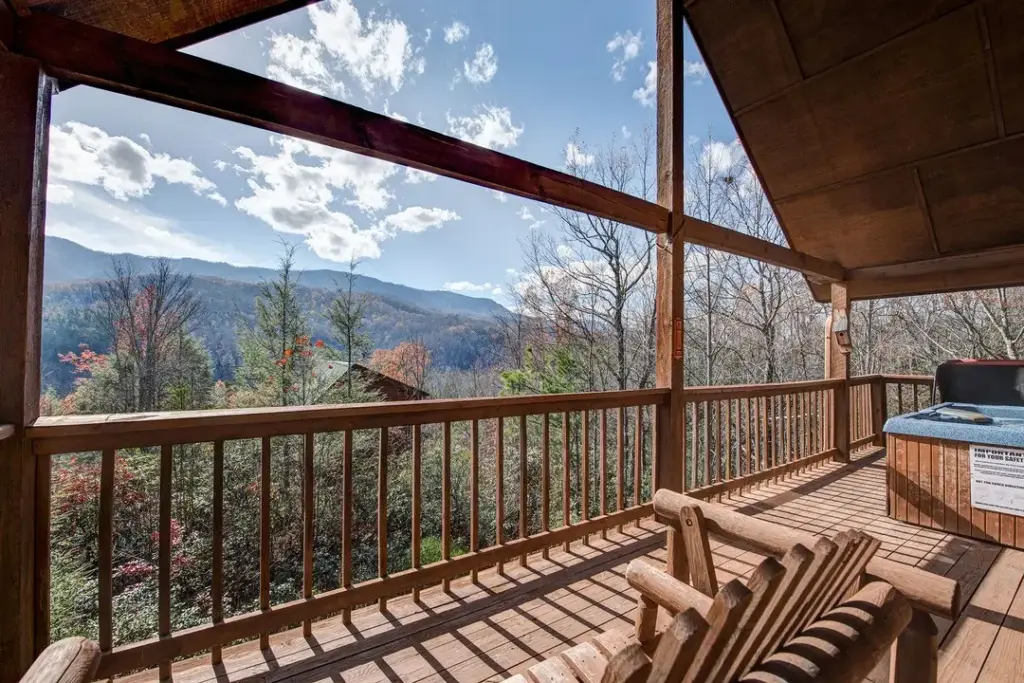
(79, 53)
(671, 253)
(697, 231)
(838, 367)
(938, 282)
(24, 127)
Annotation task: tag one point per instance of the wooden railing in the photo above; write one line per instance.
(579, 464)
(739, 435)
(529, 473)
(876, 398)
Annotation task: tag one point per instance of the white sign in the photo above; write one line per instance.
(997, 479)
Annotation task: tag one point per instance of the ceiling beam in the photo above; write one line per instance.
(100, 58)
(938, 282)
(989, 258)
(177, 24)
(697, 231)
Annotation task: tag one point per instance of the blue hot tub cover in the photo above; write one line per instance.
(1006, 429)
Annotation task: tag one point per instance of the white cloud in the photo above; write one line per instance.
(577, 157)
(146, 139)
(220, 164)
(500, 196)
(374, 51)
(300, 62)
(525, 214)
(393, 114)
(427, 35)
(87, 155)
(629, 44)
(463, 287)
(302, 188)
(59, 194)
(490, 127)
(113, 226)
(646, 94)
(417, 219)
(456, 32)
(695, 71)
(414, 176)
(484, 66)
(626, 134)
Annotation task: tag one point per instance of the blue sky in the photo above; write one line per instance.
(525, 78)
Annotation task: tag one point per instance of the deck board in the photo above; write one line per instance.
(504, 624)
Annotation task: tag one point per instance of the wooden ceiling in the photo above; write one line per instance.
(886, 132)
(178, 23)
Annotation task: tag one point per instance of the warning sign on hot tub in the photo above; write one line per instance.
(997, 479)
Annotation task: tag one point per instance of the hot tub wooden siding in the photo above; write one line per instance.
(929, 484)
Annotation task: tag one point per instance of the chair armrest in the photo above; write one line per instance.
(665, 590)
(72, 660)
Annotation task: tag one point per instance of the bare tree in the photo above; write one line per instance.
(146, 315)
(592, 278)
(347, 315)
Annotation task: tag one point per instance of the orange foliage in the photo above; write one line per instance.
(408, 362)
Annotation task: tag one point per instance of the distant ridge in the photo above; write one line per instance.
(67, 262)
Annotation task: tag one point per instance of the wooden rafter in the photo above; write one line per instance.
(176, 24)
(706, 234)
(947, 280)
(80, 53)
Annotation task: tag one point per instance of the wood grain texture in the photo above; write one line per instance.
(265, 483)
(698, 550)
(347, 511)
(72, 660)
(678, 647)
(25, 110)
(217, 580)
(106, 550)
(165, 549)
(178, 25)
(73, 434)
(308, 511)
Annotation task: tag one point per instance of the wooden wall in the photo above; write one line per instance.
(929, 484)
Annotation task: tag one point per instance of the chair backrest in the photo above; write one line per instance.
(745, 624)
(841, 647)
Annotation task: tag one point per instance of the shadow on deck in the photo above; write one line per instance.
(503, 623)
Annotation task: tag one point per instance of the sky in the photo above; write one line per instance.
(549, 82)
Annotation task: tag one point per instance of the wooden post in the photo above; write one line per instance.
(24, 573)
(839, 368)
(669, 298)
(879, 409)
(914, 656)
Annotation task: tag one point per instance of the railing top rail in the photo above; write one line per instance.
(726, 392)
(78, 433)
(910, 379)
(6, 430)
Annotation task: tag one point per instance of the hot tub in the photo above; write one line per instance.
(958, 476)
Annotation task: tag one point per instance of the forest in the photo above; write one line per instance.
(582, 319)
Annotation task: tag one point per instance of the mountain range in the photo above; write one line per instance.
(460, 331)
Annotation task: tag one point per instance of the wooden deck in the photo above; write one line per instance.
(504, 623)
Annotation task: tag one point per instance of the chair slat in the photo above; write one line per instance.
(678, 647)
(586, 661)
(729, 606)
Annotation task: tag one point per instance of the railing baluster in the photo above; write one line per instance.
(217, 585)
(728, 442)
(638, 457)
(265, 534)
(694, 444)
(382, 512)
(585, 472)
(446, 499)
(474, 490)
(523, 484)
(106, 554)
(604, 469)
(745, 459)
(307, 526)
(899, 396)
(620, 456)
(566, 511)
(706, 405)
(417, 500)
(499, 488)
(166, 467)
(346, 521)
(545, 476)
